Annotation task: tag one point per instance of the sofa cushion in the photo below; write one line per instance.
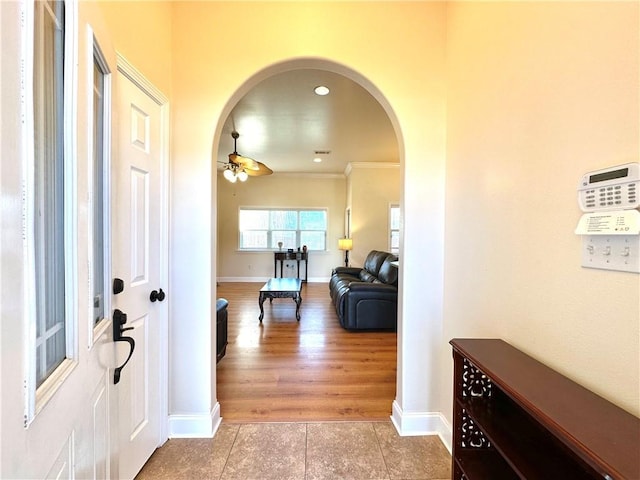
(366, 276)
(373, 262)
(388, 273)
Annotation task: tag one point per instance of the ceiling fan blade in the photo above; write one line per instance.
(248, 165)
(245, 162)
(261, 169)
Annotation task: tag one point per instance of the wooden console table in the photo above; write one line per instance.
(297, 256)
(515, 418)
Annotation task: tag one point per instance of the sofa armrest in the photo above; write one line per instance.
(369, 306)
(354, 271)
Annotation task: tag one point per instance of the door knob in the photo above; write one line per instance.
(118, 286)
(157, 295)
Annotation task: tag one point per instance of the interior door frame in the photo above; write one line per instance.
(129, 71)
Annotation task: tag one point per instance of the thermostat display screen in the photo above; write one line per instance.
(601, 177)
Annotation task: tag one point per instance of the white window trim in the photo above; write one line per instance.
(37, 398)
(95, 52)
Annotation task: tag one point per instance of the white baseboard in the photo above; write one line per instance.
(421, 423)
(195, 426)
(264, 279)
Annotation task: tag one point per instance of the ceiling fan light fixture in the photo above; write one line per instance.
(229, 175)
(321, 90)
(242, 176)
(317, 160)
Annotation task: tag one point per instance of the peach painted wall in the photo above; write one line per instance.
(141, 32)
(396, 50)
(539, 94)
(373, 189)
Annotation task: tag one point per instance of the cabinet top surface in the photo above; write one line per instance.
(290, 255)
(584, 421)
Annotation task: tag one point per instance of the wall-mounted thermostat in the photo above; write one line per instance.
(613, 188)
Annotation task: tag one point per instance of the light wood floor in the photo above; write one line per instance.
(312, 370)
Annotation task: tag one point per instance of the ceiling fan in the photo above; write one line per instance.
(241, 168)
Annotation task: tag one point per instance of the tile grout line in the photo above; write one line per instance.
(306, 447)
(384, 460)
(226, 461)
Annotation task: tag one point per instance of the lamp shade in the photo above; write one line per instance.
(345, 244)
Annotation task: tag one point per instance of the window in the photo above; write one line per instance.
(50, 187)
(99, 187)
(264, 229)
(394, 229)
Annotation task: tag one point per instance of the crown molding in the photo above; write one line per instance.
(321, 176)
(129, 71)
(369, 165)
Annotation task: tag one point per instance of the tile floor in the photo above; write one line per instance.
(302, 451)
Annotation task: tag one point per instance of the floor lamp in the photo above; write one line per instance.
(345, 244)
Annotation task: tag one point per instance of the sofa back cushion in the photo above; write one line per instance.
(373, 262)
(388, 273)
(366, 276)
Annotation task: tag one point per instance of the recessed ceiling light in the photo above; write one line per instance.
(317, 160)
(321, 90)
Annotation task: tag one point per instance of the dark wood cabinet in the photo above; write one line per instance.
(297, 256)
(515, 418)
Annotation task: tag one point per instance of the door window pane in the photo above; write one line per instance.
(98, 273)
(49, 175)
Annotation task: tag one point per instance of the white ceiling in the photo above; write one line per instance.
(282, 123)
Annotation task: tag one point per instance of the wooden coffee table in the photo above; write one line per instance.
(281, 288)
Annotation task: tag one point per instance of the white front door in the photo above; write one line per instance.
(140, 262)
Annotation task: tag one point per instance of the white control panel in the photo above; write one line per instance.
(613, 188)
(610, 228)
(619, 222)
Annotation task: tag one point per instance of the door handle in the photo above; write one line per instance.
(157, 295)
(119, 319)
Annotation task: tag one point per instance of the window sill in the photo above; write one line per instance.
(49, 387)
(98, 330)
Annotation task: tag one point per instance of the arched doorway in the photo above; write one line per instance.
(223, 124)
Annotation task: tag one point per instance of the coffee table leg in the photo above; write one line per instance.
(260, 302)
(298, 300)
